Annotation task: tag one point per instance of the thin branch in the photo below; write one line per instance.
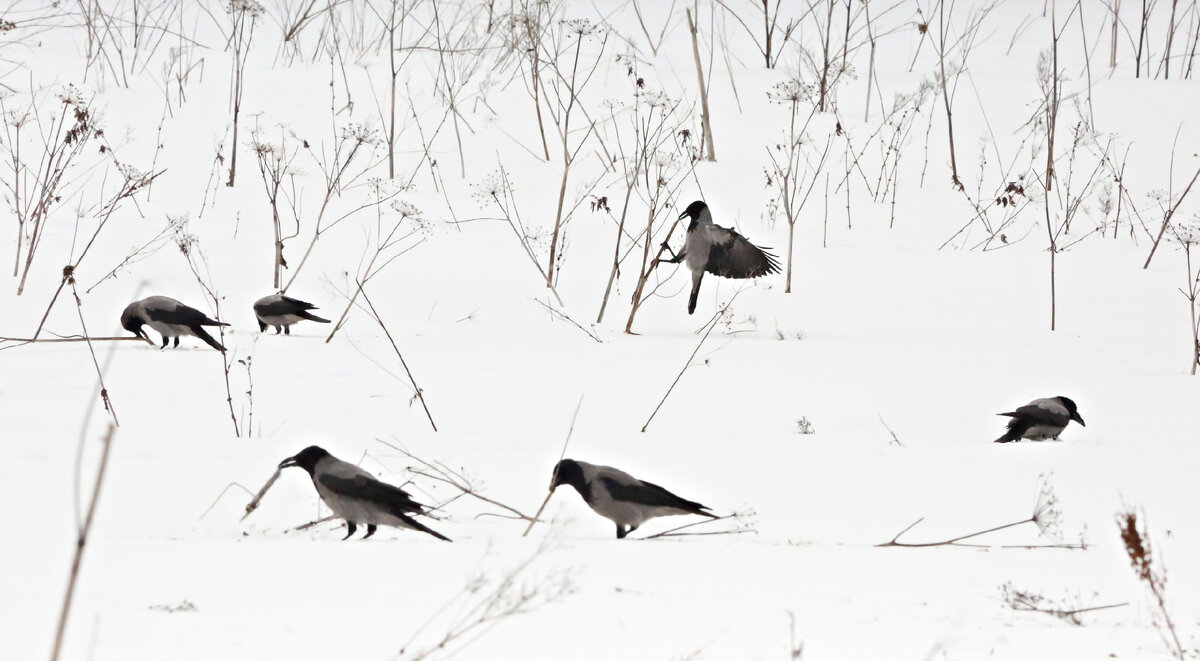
(417, 388)
(81, 544)
(554, 476)
(712, 323)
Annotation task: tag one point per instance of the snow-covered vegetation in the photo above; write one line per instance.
(973, 203)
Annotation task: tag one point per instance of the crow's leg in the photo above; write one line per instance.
(675, 258)
(277, 329)
(370, 530)
(350, 528)
(165, 341)
(621, 531)
(287, 330)
(176, 345)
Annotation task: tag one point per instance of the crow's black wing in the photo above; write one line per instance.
(731, 255)
(390, 498)
(646, 493)
(282, 305)
(1034, 414)
(180, 315)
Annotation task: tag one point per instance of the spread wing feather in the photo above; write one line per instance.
(733, 256)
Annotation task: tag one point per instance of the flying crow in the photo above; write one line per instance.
(718, 250)
(621, 497)
(1041, 419)
(170, 318)
(357, 497)
(282, 311)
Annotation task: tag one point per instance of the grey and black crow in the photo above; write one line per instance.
(170, 318)
(282, 311)
(357, 497)
(1041, 419)
(621, 497)
(719, 251)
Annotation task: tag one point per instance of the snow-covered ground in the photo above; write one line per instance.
(886, 331)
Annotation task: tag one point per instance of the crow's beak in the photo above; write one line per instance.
(1078, 419)
(288, 463)
(683, 215)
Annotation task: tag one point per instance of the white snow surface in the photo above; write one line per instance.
(884, 328)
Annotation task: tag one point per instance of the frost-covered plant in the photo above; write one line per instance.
(495, 191)
(794, 162)
(38, 155)
(1187, 235)
(243, 15)
(341, 169)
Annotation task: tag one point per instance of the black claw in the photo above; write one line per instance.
(370, 530)
(350, 528)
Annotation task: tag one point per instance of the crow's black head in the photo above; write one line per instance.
(693, 210)
(132, 321)
(1072, 409)
(307, 459)
(568, 472)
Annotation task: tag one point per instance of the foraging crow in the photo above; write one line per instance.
(1041, 419)
(357, 497)
(282, 311)
(718, 250)
(621, 497)
(170, 318)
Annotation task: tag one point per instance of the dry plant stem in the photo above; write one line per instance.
(76, 338)
(108, 407)
(705, 119)
(443, 473)
(554, 476)
(253, 504)
(127, 190)
(226, 359)
(241, 38)
(568, 155)
(509, 598)
(712, 323)
(955, 540)
(311, 524)
(564, 317)
(1070, 615)
(1167, 218)
(221, 495)
(674, 532)
(946, 93)
(1192, 293)
(1148, 570)
(948, 542)
(81, 544)
(379, 320)
(1051, 122)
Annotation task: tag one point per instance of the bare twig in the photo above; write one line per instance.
(417, 388)
(564, 317)
(674, 532)
(708, 329)
(1167, 218)
(554, 476)
(443, 473)
(253, 504)
(81, 543)
(895, 441)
